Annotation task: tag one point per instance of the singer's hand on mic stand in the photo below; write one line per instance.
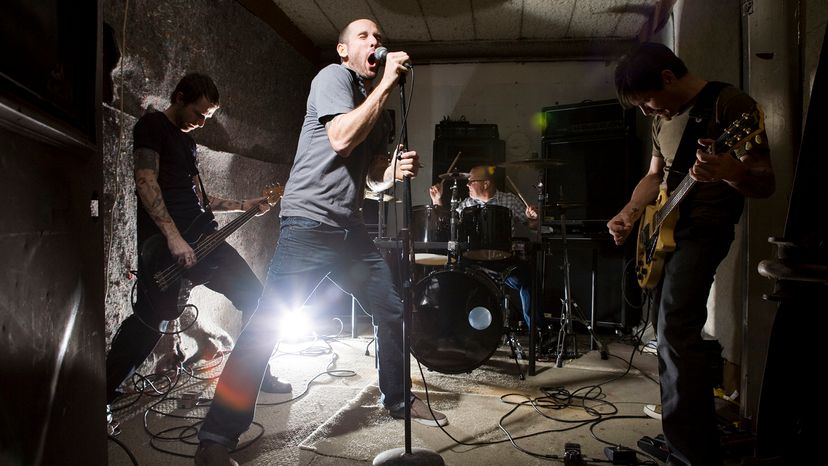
(408, 163)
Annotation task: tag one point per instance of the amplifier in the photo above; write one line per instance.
(461, 129)
(586, 119)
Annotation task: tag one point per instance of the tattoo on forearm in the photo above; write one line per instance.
(152, 199)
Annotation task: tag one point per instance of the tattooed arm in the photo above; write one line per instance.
(146, 183)
(218, 204)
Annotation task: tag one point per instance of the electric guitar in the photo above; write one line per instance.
(166, 284)
(655, 233)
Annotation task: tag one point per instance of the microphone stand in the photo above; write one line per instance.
(407, 455)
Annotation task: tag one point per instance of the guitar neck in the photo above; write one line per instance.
(207, 244)
(675, 199)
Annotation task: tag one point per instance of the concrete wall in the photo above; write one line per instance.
(249, 142)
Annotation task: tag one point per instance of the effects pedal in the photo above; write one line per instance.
(657, 447)
(188, 400)
(572, 454)
(621, 455)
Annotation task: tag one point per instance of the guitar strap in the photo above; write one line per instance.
(697, 123)
(204, 195)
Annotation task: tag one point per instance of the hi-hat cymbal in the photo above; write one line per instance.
(376, 196)
(533, 163)
(455, 175)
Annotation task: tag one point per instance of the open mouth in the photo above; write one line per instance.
(372, 59)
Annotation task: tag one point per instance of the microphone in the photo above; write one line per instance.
(382, 53)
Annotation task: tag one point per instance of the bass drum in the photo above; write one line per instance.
(457, 321)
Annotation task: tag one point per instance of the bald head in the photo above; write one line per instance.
(482, 172)
(353, 26)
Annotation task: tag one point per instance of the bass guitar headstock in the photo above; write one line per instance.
(273, 192)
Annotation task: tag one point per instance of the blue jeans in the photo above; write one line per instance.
(688, 412)
(307, 251)
(519, 278)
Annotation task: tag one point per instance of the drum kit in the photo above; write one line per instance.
(460, 310)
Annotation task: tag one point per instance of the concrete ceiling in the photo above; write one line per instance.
(472, 30)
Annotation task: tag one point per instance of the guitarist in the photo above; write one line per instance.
(167, 184)
(689, 114)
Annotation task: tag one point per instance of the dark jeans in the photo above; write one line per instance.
(307, 251)
(223, 271)
(688, 413)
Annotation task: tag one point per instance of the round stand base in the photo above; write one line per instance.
(418, 456)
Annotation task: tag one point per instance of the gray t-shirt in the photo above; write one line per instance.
(324, 186)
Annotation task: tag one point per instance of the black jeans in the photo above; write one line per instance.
(688, 413)
(309, 250)
(223, 271)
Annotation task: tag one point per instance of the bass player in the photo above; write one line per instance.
(172, 203)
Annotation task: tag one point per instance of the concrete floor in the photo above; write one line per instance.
(472, 401)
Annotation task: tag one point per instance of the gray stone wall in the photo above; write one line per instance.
(249, 142)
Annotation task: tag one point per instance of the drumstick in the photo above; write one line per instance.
(517, 191)
(454, 162)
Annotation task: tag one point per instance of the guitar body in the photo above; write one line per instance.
(654, 242)
(155, 256)
(166, 283)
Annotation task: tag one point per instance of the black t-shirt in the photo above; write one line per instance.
(177, 165)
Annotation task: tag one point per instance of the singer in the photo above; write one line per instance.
(341, 150)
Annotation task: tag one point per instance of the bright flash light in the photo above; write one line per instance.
(295, 326)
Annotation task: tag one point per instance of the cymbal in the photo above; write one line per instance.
(533, 163)
(455, 175)
(376, 196)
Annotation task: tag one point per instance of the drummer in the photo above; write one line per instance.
(482, 191)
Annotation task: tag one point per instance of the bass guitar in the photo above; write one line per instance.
(655, 233)
(167, 285)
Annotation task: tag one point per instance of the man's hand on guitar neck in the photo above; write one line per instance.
(264, 207)
(711, 167)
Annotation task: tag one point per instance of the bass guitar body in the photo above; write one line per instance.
(155, 257)
(654, 242)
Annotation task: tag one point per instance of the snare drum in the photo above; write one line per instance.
(487, 230)
(431, 224)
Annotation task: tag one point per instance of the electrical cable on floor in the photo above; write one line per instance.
(125, 448)
(555, 398)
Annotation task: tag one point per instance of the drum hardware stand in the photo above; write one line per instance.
(407, 455)
(537, 284)
(453, 252)
(508, 331)
(566, 332)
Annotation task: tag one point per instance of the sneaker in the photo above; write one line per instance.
(213, 454)
(654, 411)
(271, 384)
(113, 427)
(422, 414)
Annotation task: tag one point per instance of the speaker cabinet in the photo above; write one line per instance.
(473, 152)
(599, 154)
